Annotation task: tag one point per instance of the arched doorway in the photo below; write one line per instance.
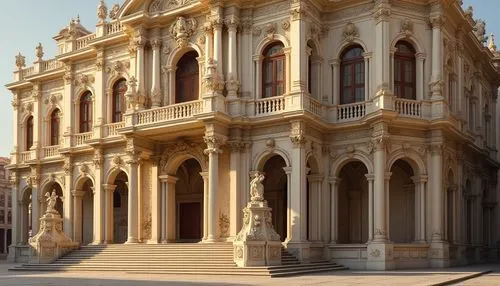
(275, 192)
(87, 213)
(402, 203)
(26, 218)
(353, 203)
(120, 208)
(189, 202)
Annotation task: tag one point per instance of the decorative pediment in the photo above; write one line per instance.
(152, 7)
(157, 6)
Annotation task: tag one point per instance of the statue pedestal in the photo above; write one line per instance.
(257, 243)
(50, 242)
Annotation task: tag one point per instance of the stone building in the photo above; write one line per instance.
(5, 208)
(374, 122)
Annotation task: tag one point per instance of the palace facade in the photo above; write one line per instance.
(5, 208)
(374, 122)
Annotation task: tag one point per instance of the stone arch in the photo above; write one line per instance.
(316, 46)
(346, 45)
(409, 156)
(313, 163)
(50, 180)
(410, 39)
(110, 82)
(344, 159)
(178, 52)
(260, 159)
(175, 154)
(50, 110)
(265, 42)
(113, 172)
(80, 91)
(81, 179)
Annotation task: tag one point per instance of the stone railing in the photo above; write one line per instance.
(83, 42)
(51, 65)
(50, 151)
(28, 71)
(171, 112)
(314, 106)
(25, 156)
(113, 28)
(408, 107)
(350, 112)
(81, 138)
(269, 106)
(112, 128)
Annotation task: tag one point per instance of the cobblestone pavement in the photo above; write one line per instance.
(337, 278)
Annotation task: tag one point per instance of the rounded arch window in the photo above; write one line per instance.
(404, 71)
(118, 104)
(29, 133)
(86, 112)
(352, 71)
(273, 70)
(187, 78)
(54, 127)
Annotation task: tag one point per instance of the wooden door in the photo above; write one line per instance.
(190, 221)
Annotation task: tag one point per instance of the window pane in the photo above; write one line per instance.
(397, 70)
(268, 72)
(280, 89)
(268, 91)
(408, 71)
(360, 94)
(360, 73)
(347, 75)
(397, 91)
(409, 92)
(279, 69)
(346, 96)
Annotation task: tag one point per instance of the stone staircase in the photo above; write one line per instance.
(175, 258)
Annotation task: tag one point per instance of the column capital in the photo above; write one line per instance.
(214, 143)
(109, 187)
(204, 175)
(370, 177)
(155, 44)
(436, 21)
(380, 142)
(77, 193)
(237, 146)
(387, 176)
(288, 170)
(334, 180)
(315, 178)
(437, 149)
(419, 179)
(169, 179)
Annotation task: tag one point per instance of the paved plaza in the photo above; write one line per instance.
(338, 278)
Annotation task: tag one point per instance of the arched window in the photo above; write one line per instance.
(86, 112)
(352, 81)
(186, 78)
(29, 133)
(404, 71)
(273, 71)
(54, 127)
(118, 103)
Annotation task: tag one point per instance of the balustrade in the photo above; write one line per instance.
(352, 111)
(25, 156)
(409, 108)
(269, 106)
(113, 28)
(50, 151)
(171, 112)
(112, 128)
(81, 138)
(314, 106)
(83, 42)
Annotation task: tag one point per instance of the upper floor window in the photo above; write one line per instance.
(86, 112)
(273, 71)
(54, 127)
(352, 80)
(186, 78)
(29, 133)
(404, 71)
(118, 108)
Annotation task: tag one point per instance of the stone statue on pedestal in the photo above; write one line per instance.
(50, 242)
(257, 243)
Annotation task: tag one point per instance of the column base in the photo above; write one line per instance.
(132, 240)
(210, 240)
(380, 256)
(301, 250)
(439, 254)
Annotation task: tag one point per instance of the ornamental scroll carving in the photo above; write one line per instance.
(166, 5)
(350, 32)
(182, 29)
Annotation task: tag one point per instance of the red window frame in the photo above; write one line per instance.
(187, 78)
(405, 54)
(351, 58)
(29, 133)
(273, 58)
(86, 112)
(118, 104)
(54, 127)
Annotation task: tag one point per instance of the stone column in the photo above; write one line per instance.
(335, 80)
(168, 209)
(232, 84)
(258, 75)
(16, 219)
(133, 192)
(379, 196)
(156, 203)
(140, 74)
(208, 30)
(367, 57)
(420, 203)
(217, 29)
(155, 80)
(213, 150)
(35, 211)
(98, 192)
(68, 197)
(420, 76)
(235, 207)
(108, 212)
(370, 178)
(204, 175)
(315, 200)
(288, 172)
(382, 48)
(77, 216)
(437, 56)
(298, 200)
(298, 60)
(387, 205)
(334, 185)
(171, 79)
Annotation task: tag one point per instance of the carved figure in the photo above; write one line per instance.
(113, 14)
(51, 201)
(256, 188)
(182, 29)
(480, 31)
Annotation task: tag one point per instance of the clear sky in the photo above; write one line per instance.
(24, 23)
